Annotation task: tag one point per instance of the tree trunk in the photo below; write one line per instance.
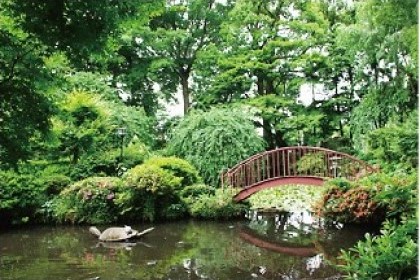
(266, 126)
(185, 90)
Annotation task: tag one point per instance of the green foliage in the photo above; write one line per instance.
(215, 140)
(391, 255)
(54, 184)
(77, 27)
(91, 201)
(312, 163)
(21, 196)
(82, 125)
(178, 167)
(108, 163)
(196, 190)
(341, 183)
(85, 131)
(91, 82)
(153, 179)
(397, 193)
(151, 194)
(140, 127)
(172, 36)
(217, 206)
(24, 107)
(396, 142)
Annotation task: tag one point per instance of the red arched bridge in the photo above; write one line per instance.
(292, 165)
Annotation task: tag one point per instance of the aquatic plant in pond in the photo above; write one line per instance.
(288, 198)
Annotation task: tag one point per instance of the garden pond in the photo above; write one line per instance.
(263, 246)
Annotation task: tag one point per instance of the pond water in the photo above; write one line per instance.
(265, 246)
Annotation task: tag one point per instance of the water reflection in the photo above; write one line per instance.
(181, 250)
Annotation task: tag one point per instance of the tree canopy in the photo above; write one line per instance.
(321, 72)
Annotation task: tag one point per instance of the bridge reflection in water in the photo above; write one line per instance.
(299, 234)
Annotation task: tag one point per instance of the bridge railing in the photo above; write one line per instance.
(299, 161)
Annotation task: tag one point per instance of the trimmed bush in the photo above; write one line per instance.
(178, 167)
(54, 184)
(152, 178)
(108, 163)
(151, 194)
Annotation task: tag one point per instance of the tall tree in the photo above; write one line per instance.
(77, 27)
(267, 45)
(24, 107)
(383, 44)
(163, 54)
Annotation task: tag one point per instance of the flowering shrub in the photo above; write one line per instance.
(397, 193)
(92, 200)
(351, 206)
(350, 203)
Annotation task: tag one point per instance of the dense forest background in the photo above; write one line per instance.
(73, 71)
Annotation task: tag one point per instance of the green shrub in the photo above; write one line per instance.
(396, 143)
(341, 183)
(151, 194)
(215, 140)
(312, 163)
(391, 255)
(21, 196)
(217, 206)
(92, 201)
(153, 179)
(108, 163)
(101, 165)
(178, 167)
(135, 153)
(54, 184)
(196, 190)
(396, 193)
